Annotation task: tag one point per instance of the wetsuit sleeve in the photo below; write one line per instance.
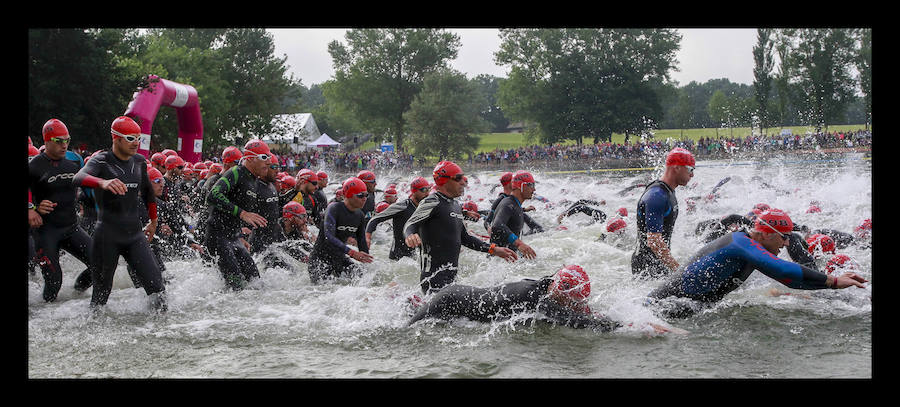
(473, 242)
(656, 208)
(330, 230)
(499, 231)
(785, 272)
(387, 214)
(87, 176)
(533, 226)
(361, 236)
(422, 213)
(218, 194)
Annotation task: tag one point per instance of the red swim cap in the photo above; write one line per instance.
(200, 166)
(215, 168)
(231, 154)
(506, 178)
(571, 281)
(820, 241)
(622, 211)
(256, 147)
(839, 261)
(53, 128)
(291, 209)
(814, 209)
(124, 126)
(204, 174)
(154, 174)
(306, 175)
(173, 161)
(615, 225)
(470, 206)
(352, 186)
(288, 182)
(418, 183)
(390, 191)
(680, 156)
(322, 175)
(366, 176)
(445, 170)
(773, 220)
(33, 151)
(521, 177)
(381, 207)
(760, 208)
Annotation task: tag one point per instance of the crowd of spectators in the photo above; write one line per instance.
(708, 147)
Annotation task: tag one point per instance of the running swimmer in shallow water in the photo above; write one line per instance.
(437, 227)
(398, 213)
(722, 266)
(344, 220)
(509, 220)
(559, 299)
(657, 211)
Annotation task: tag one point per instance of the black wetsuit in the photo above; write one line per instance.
(509, 219)
(234, 192)
(321, 205)
(269, 207)
(713, 229)
(438, 221)
(368, 208)
(119, 230)
(503, 302)
(721, 267)
(329, 255)
(51, 180)
(657, 211)
(533, 226)
(582, 207)
(398, 212)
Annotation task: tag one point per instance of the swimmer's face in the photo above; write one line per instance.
(773, 242)
(685, 173)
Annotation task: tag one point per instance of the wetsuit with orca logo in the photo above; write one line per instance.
(438, 220)
(119, 230)
(234, 192)
(329, 255)
(51, 180)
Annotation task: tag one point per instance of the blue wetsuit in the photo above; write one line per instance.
(723, 265)
(657, 211)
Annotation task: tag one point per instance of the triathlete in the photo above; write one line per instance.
(722, 266)
(509, 219)
(505, 181)
(52, 211)
(232, 202)
(119, 178)
(398, 213)
(368, 177)
(437, 228)
(657, 211)
(331, 256)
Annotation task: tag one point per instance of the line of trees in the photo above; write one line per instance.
(396, 84)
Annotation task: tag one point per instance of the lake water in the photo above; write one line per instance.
(285, 327)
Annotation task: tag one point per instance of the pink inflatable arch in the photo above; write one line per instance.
(163, 92)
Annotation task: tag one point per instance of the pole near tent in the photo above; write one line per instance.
(183, 98)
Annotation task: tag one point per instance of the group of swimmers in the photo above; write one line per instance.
(245, 207)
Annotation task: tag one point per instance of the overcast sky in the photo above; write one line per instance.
(705, 53)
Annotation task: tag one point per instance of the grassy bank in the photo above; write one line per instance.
(492, 141)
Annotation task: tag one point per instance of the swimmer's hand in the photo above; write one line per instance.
(253, 219)
(413, 240)
(114, 185)
(361, 256)
(527, 251)
(662, 329)
(849, 279)
(505, 253)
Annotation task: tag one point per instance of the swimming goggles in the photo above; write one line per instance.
(131, 138)
(60, 140)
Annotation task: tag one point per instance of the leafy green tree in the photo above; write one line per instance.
(445, 114)
(379, 72)
(576, 83)
(718, 110)
(489, 86)
(864, 66)
(821, 61)
(762, 82)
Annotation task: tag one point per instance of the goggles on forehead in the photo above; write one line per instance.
(457, 177)
(131, 138)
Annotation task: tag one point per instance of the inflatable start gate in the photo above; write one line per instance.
(183, 98)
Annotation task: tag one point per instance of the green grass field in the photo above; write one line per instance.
(492, 141)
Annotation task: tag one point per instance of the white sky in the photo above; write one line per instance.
(705, 53)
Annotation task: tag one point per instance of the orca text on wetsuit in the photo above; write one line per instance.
(51, 180)
(329, 254)
(233, 193)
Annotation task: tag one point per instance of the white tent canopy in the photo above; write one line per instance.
(324, 140)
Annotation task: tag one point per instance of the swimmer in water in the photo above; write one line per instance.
(722, 266)
(657, 211)
(344, 220)
(558, 299)
(510, 218)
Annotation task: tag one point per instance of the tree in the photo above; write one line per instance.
(820, 60)
(718, 110)
(864, 66)
(380, 71)
(445, 114)
(762, 82)
(576, 83)
(489, 85)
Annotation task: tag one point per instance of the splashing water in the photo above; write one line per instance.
(283, 326)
